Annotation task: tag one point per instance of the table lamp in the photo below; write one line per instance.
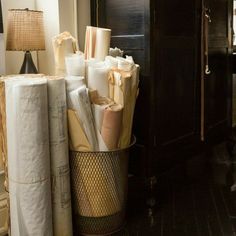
(25, 33)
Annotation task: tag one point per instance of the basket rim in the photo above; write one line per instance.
(110, 151)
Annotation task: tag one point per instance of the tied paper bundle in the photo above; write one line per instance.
(63, 45)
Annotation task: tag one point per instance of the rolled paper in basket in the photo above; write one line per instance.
(75, 64)
(63, 44)
(111, 126)
(73, 83)
(59, 153)
(95, 185)
(77, 137)
(123, 89)
(90, 42)
(82, 105)
(103, 38)
(98, 78)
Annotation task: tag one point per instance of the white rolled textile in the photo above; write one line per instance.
(98, 78)
(59, 153)
(28, 157)
(75, 64)
(81, 104)
(103, 38)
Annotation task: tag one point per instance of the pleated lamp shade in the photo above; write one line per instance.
(25, 30)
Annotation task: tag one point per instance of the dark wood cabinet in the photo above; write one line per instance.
(180, 108)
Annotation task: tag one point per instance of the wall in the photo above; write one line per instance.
(51, 28)
(83, 12)
(59, 15)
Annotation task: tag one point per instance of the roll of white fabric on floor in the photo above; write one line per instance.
(28, 157)
(98, 78)
(60, 172)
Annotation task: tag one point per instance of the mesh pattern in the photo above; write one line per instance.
(25, 30)
(99, 190)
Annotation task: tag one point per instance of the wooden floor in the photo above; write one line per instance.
(196, 198)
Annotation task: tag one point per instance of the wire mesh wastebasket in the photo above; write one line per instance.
(99, 190)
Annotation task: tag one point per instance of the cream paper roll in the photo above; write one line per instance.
(63, 44)
(103, 38)
(82, 106)
(90, 42)
(75, 64)
(98, 78)
(28, 156)
(59, 153)
(111, 125)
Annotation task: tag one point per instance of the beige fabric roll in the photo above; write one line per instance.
(77, 137)
(3, 133)
(63, 45)
(111, 126)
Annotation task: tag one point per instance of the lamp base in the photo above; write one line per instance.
(28, 66)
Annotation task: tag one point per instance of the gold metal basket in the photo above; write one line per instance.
(99, 190)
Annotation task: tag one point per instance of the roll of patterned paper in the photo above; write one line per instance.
(63, 45)
(28, 157)
(75, 64)
(59, 154)
(111, 126)
(98, 78)
(103, 38)
(81, 104)
(90, 42)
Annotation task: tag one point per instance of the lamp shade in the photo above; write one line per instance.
(25, 31)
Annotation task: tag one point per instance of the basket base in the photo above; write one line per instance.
(97, 226)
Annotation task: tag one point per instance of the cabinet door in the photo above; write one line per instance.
(177, 74)
(217, 85)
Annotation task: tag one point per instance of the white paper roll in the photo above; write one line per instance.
(28, 156)
(72, 83)
(60, 173)
(98, 78)
(103, 38)
(82, 106)
(75, 64)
